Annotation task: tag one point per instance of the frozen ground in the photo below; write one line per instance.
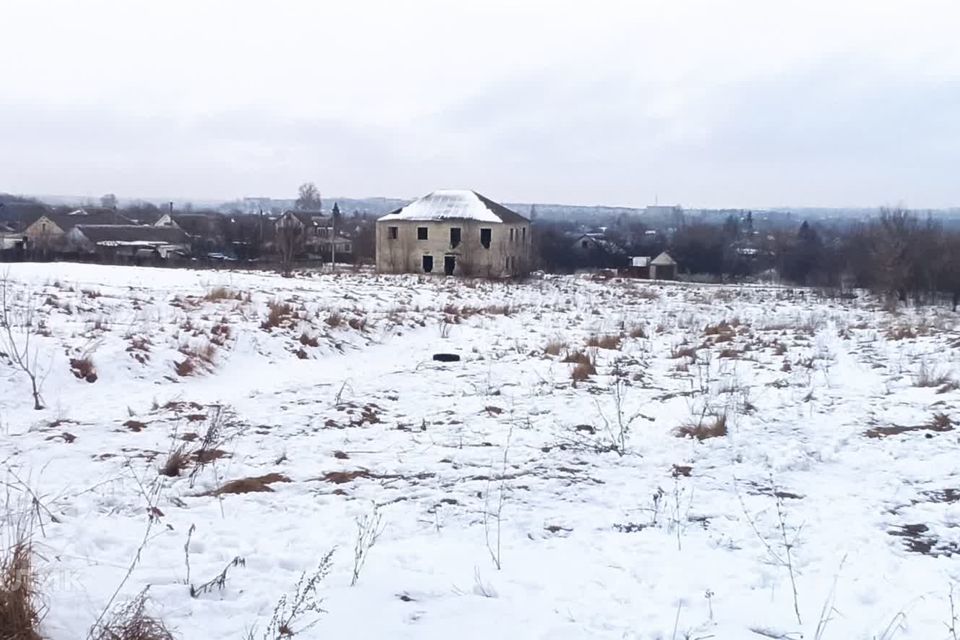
(508, 505)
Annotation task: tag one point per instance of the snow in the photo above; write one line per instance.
(675, 538)
(446, 204)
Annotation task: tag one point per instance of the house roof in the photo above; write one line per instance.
(640, 261)
(455, 204)
(601, 243)
(663, 260)
(309, 218)
(132, 233)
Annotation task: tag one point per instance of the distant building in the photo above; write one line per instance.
(454, 232)
(595, 250)
(127, 241)
(663, 210)
(320, 235)
(663, 267)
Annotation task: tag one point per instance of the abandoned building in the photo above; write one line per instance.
(454, 232)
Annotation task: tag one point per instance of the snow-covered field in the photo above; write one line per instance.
(510, 500)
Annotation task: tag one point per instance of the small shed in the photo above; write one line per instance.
(663, 267)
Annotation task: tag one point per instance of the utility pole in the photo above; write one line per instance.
(333, 235)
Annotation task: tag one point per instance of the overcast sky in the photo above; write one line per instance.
(742, 103)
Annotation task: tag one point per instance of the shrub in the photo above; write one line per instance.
(357, 324)
(334, 319)
(20, 611)
(714, 427)
(637, 332)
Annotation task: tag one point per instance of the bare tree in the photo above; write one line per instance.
(17, 329)
(290, 239)
(308, 198)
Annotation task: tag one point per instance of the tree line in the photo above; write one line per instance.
(898, 254)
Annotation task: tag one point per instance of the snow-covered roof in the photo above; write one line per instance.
(663, 259)
(455, 204)
(640, 261)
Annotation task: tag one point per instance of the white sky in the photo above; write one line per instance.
(707, 103)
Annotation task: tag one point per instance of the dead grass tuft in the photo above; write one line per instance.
(175, 463)
(132, 622)
(20, 608)
(586, 365)
(554, 347)
(684, 352)
(357, 323)
(249, 485)
(711, 427)
(930, 377)
(901, 332)
(604, 342)
(83, 368)
(222, 293)
(278, 314)
(334, 319)
(637, 332)
(185, 367)
(309, 341)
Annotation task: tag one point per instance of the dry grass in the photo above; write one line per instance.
(554, 347)
(357, 323)
(604, 342)
(930, 377)
(309, 341)
(334, 319)
(901, 332)
(132, 622)
(20, 608)
(637, 332)
(586, 365)
(249, 485)
(83, 368)
(278, 314)
(498, 310)
(222, 293)
(175, 463)
(185, 367)
(684, 352)
(711, 427)
(940, 423)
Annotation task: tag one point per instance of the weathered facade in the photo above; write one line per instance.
(454, 232)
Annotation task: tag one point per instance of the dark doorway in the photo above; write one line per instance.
(449, 264)
(427, 264)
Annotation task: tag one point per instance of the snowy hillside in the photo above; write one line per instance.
(608, 459)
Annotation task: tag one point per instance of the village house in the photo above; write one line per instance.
(46, 230)
(454, 232)
(320, 235)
